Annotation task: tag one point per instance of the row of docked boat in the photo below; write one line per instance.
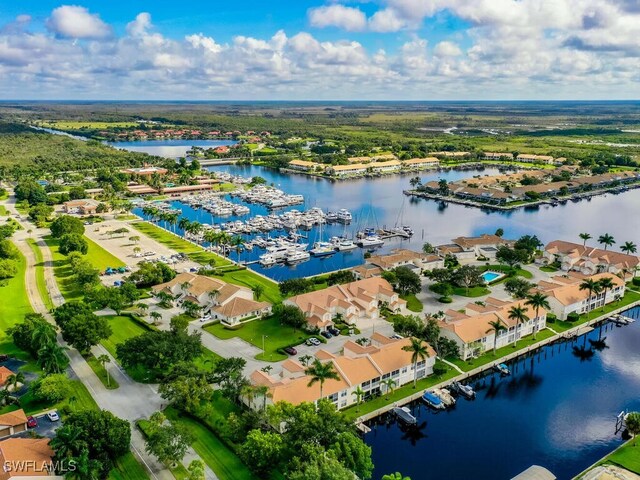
(438, 399)
(270, 197)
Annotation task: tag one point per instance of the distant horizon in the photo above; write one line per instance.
(318, 101)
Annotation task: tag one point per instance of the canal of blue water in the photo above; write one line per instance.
(557, 409)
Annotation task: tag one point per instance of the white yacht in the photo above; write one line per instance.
(346, 245)
(297, 256)
(371, 241)
(344, 216)
(322, 249)
(267, 260)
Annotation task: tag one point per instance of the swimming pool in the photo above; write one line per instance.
(489, 276)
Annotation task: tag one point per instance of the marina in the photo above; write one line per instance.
(534, 415)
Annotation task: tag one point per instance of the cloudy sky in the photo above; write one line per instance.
(315, 49)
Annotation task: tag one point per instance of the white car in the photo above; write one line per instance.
(53, 416)
(205, 318)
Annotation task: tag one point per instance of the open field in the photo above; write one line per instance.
(14, 308)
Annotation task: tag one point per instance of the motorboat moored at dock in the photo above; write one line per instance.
(404, 415)
(464, 390)
(502, 368)
(433, 400)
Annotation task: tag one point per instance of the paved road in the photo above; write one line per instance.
(132, 400)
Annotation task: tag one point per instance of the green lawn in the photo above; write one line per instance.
(101, 372)
(40, 281)
(471, 292)
(98, 256)
(627, 456)
(14, 308)
(124, 328)
(548, 269)
(413, 304)
(128, 468)
(276, 336)
(244, 277)
(355, 411)
(489, 357)
(224, 462)
(78, 398)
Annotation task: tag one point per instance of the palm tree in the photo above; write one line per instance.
(52, 359)
(6, 398)
(44, 334)
(236, 243)
(165, 300)
(584, 237)
(156, 316)
(85, 468)
(183, 224)
(264, 392)
(419, 352)
(519, 315)
(13, 381)
(389, 385)
(185, 286)
(606, 240)
(67, 442)
(606, 284)
(211, 236)
(320, 373)
(590, 285)
(496, 327)
(537, 301)
(359, 394)
(258, 290)
(249, 392)
(629, 247)
(103, 360)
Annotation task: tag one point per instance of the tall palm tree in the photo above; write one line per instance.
(264, 392)
(211, 236)
(419, 352)
(537, 301)
(103, 360)
(52, 359)
(606, 284)
(213, 296)
(606, 240)
(389, 385)
(320, 373)
(236, 243)
(496, 327)
(67, 442)
(629, 247)
(584, 237)
(183, 224)
(359, 394)
(249, 392)
(590, 285)
(156, 316)
(258, 290)
(43, 334)
(519, 315)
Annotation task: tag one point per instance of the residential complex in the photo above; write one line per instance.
(589, 260)
(360, 366)
(353, 302)
(223, 301)
(26, 458)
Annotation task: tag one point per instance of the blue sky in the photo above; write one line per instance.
(308, 49)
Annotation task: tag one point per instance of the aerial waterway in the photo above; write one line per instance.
(557, 409)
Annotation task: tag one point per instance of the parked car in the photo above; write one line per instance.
(313, 341)
(206, 317)
(291, 350)
(4, 358)
(334, 331)
(53, 416)
(31, 422)
(397, 337)
(326, 334)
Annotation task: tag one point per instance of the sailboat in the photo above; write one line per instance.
(320, 248)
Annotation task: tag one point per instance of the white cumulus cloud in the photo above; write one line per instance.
(347, 18)
(447, 49)
(73, 21)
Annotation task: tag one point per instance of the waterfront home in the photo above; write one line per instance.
(545, 189)
(420, 163)
(386, 167)
(530, 158)
(353, 301)
(497, 156)
(401, 257)
(472, 329)
(485, 195)
(86, 206)
(225, 302)
(12, 423)
(365, 367)
(486, 245)
(565, 296)
(303, 165)
(346, 170)
(588, 260)
(366, 270)
(462, 255)
(145, 171)
(26, 458)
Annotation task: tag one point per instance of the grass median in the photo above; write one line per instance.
(40, 280)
